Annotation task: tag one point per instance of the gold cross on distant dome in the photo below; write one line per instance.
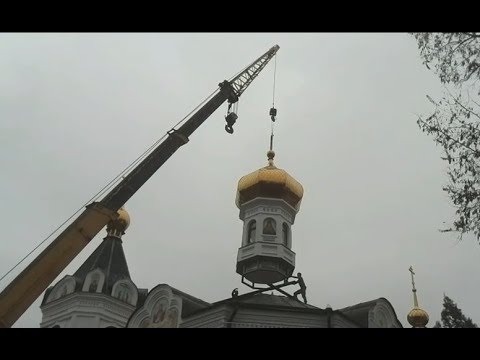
(415, 301)
(413, 281)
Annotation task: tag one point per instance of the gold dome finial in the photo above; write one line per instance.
(417, 317)
(270, 156)
(118, 226)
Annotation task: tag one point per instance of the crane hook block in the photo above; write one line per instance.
(273, 113)
(231, 118)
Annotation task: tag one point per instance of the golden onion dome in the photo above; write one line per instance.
(417, 317)
(120, 224)
(270, 182)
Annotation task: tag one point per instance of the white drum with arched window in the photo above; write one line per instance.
(265, 256)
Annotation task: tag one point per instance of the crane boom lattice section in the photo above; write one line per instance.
(244, 79)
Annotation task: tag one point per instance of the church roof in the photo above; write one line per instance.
(108, 257)
(276, 301)
(265, 301)
(359, 313)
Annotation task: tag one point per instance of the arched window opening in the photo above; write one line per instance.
(252, 228)
(94, 283)
(123, 293)
(269, 226)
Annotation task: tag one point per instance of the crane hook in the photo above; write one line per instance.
(273, 113)
(231, 118)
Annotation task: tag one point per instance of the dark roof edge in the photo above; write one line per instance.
(232, 302)
(189, 297)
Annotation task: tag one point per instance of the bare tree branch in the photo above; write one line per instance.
(454, 124)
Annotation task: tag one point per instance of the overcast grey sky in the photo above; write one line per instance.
(75, 109)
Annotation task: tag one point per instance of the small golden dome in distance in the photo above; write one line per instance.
(418, 318)
(120, 224)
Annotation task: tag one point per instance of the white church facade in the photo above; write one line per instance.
(101, 294)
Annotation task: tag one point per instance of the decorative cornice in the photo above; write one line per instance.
(100, 301)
